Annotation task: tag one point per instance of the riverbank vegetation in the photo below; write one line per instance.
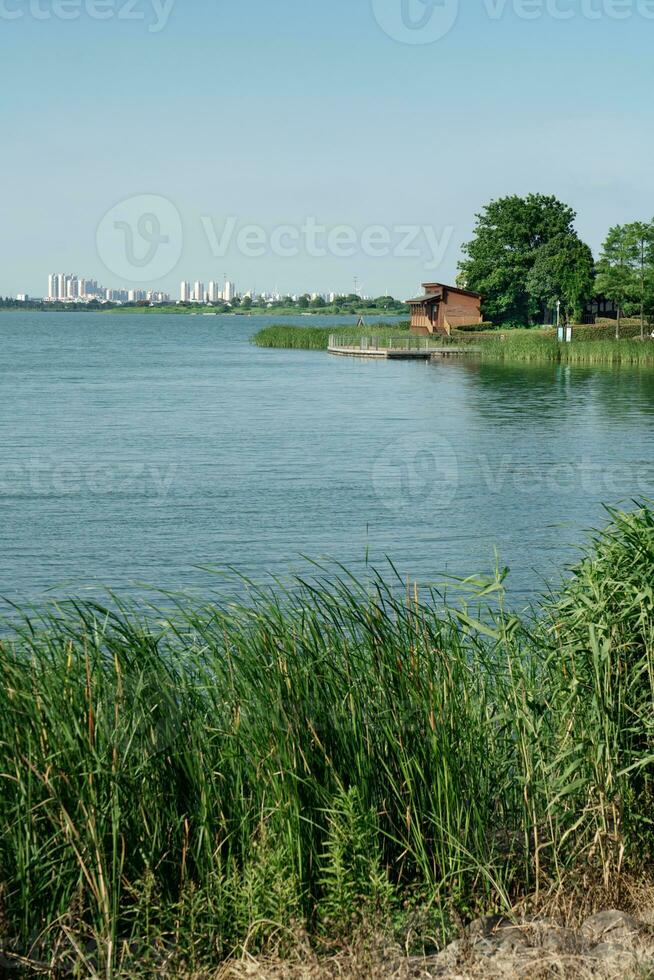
(177, 788)
(591, 345)
(532, 345)
(285, 337)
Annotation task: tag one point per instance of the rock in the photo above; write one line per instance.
(607, 927)
(608, 951)
(557, 939)
(495, 933)
(486, 926)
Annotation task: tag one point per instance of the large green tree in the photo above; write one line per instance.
(498, 262)
(640, 235)
(563, 271)
(615, 270)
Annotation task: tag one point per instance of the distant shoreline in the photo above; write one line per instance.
(170, 311)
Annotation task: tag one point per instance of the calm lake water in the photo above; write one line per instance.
(137, 450)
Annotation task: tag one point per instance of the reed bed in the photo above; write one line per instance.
(179, 788)
(285, 337)
(540, 346)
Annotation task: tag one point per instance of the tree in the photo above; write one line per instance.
(563, 270)
(615, 269)
(499, 259)
(640, 244)
(246, 303)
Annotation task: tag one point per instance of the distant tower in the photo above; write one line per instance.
(185, 292)
(62, 280)
(228, 293)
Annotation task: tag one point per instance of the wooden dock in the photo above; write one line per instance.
(408, 353)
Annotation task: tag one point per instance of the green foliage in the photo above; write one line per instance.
(606, 330)
(522, 345)
(563, 271)
(500, 260)
(355, 888)
(604, 629)
(625, 271)
(204, 780)
(286, 337)
(474, 327)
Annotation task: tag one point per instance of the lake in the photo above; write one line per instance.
(142, 451)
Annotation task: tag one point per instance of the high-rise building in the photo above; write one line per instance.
(198, 292)
(52, 286)
(228, 294)
(215, 292)
(185, 292)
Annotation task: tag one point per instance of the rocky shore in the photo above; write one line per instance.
(606, 945)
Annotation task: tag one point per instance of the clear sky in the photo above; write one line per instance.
(288, 114)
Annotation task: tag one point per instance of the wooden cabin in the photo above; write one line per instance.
(443, 308)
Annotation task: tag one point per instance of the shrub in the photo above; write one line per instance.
(474, 327)
(606, 330)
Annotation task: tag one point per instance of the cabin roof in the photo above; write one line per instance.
(434, 291)
(425, 298)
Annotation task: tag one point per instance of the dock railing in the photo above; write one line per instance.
(397, 343)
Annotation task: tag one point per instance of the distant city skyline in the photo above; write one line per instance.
(66, 287)
(69, 287)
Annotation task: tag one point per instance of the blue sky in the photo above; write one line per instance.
(273, 113)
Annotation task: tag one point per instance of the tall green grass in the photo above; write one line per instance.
(287, 337)
(337, 753)
(541, 346)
